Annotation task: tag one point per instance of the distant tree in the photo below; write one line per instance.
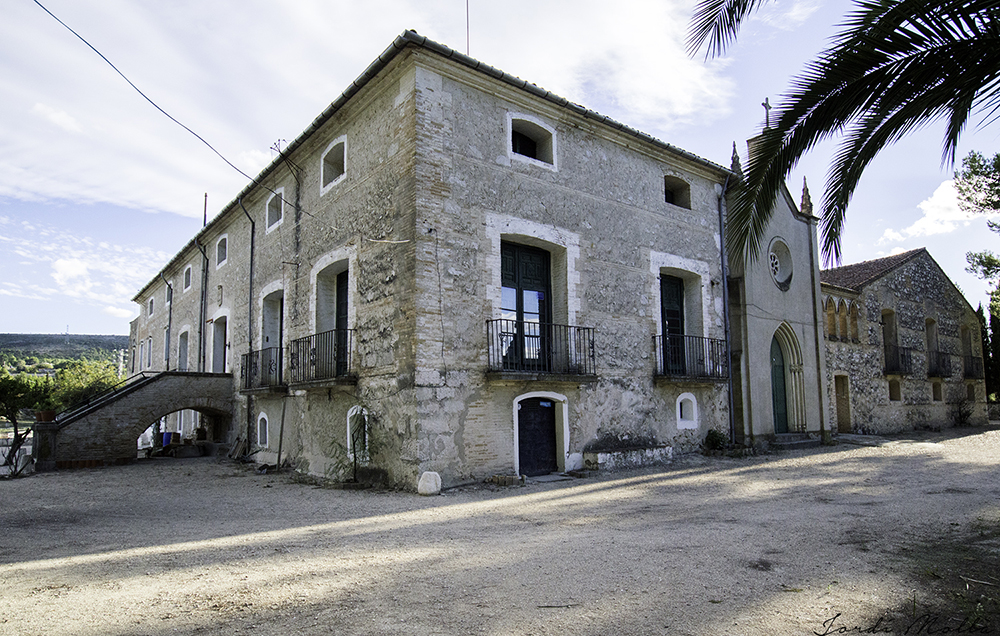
(81, 380)
(995, 356)
(989, 361)
(978, 186)
(18, 392)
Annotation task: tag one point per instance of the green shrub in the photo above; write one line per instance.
(715, 440)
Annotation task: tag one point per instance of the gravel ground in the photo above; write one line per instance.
(900, 537)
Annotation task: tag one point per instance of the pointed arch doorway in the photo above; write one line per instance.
(787, 382)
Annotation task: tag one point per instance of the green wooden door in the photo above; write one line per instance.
(778, 398)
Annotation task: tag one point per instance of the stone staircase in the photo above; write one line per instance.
(794, 441)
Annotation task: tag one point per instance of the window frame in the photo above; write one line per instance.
(324, 185)
(218, 242)
(263, 419)
(677, 189)
(188, 278)
(279, 195)
(547, 147)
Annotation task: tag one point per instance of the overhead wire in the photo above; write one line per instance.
(199, 137)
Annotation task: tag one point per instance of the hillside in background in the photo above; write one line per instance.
(58, 345)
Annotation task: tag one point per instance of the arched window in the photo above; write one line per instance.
(333, 165)
(842, 320)
(831, 319)
(358, 433)
(262, 430)
(276, 209)
(854, 322)
(687, 411)
(221, 251)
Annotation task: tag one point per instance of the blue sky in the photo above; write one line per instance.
(98, 189)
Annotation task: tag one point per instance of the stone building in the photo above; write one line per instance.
(903, 347)
(454, 270)
(779, 362)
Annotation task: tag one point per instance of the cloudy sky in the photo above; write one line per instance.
(98, 189)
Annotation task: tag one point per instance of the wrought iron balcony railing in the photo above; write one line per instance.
(691, 357)
(535, 347)
(321, 356)
(261, 369)
(938, 364)
(973, 367)
(898, 360)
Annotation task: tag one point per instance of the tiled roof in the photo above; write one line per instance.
(858, 275)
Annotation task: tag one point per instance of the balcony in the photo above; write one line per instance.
(691, 358)
(972, 367)
(321, 356)
(532, 347)
(261, 369)
(898, 360)
(938, 364)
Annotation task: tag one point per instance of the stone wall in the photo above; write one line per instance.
(429, 192)
(916, 291)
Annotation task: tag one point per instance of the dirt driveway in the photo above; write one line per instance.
(826, 541)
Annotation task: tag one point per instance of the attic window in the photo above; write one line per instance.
(150, 313)
(677, 192)
(275, 209)
(334, 163)
(532, 140)
(187, 278)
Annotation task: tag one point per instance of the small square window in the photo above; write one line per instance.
(677, 192)
(531, 139)
(895, 393)
(334, 163)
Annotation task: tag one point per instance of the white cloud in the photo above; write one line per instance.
(788, 16)
(941, 215)
(58, 117)
(71, 276)
(119, 312)
(629, 63)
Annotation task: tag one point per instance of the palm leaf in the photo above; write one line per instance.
(897, 65)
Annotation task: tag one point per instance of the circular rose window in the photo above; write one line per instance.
(779, 260)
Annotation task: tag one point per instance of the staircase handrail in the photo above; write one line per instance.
(83, 405)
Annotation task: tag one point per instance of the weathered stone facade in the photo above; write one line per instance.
(903, 347)
(460, 212)
(777, 342)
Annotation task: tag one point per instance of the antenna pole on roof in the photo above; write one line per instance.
(205, 222)
(467, 28)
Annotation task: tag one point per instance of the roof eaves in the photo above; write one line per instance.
(403, 40)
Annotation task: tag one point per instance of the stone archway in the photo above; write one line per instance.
(792, 382)
(106, 431)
